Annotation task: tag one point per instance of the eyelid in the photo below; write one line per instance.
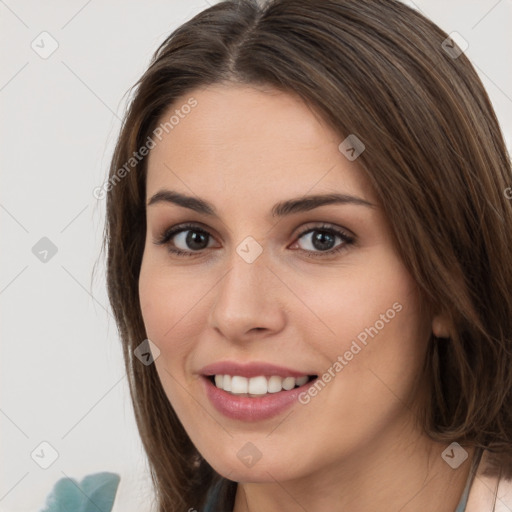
(168, 233)
(298, 232)
(312, 225)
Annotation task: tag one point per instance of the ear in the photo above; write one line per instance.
(440, 326)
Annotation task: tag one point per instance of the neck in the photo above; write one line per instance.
(387, 476)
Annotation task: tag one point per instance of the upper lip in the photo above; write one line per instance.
(248, 370)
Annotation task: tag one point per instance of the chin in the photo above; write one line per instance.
(266, 469)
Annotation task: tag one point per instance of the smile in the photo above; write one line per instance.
(253, 391)
(258, 386)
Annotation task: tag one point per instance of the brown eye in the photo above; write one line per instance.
(185, 240)
(322, 240)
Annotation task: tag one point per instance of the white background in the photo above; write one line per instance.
(62, 376)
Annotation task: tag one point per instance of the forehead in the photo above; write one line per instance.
(253, 142)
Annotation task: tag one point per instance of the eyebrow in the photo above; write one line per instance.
(281, 209)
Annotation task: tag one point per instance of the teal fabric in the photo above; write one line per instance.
(212, 498)
(461, 507)
(95, 493)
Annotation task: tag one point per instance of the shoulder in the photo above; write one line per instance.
(486, 488)
(69, 494)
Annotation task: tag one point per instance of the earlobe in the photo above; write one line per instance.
(440, 327)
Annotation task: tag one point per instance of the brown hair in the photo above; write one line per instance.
(434, 155)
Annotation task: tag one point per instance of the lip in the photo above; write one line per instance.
(251, 409)
(253, 369)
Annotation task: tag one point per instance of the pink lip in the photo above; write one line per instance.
(250, 370)
(251, 409)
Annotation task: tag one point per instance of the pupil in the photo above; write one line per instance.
(319, 240)
(194, 237)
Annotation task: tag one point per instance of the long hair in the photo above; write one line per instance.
(434, 154)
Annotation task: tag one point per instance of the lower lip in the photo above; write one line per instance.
(252, 409)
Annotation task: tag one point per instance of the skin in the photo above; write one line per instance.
(357, 444)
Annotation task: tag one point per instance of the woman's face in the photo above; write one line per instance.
(314, 289)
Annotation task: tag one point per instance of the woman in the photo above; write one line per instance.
(307, 242)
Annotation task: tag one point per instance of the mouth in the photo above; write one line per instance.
(254, 391)
(259, 386)
(246, 401)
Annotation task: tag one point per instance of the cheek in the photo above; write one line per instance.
(386, 343)
(167, 324)
(381, 356)
(167, 301)
(152, 299)
(376, 337)
(375, 301)
(175, 313)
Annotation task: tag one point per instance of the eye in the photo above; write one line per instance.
(321, 240)
(190, 240)
(190, 235)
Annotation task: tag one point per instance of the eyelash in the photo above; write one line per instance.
(346, 239)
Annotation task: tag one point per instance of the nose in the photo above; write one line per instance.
(247, 302)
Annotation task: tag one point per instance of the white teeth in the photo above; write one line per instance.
(239, 385)
(257, 386)
(274, 384)
(301, 380)
(288, 383)
(260, 385)
(226, 382)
